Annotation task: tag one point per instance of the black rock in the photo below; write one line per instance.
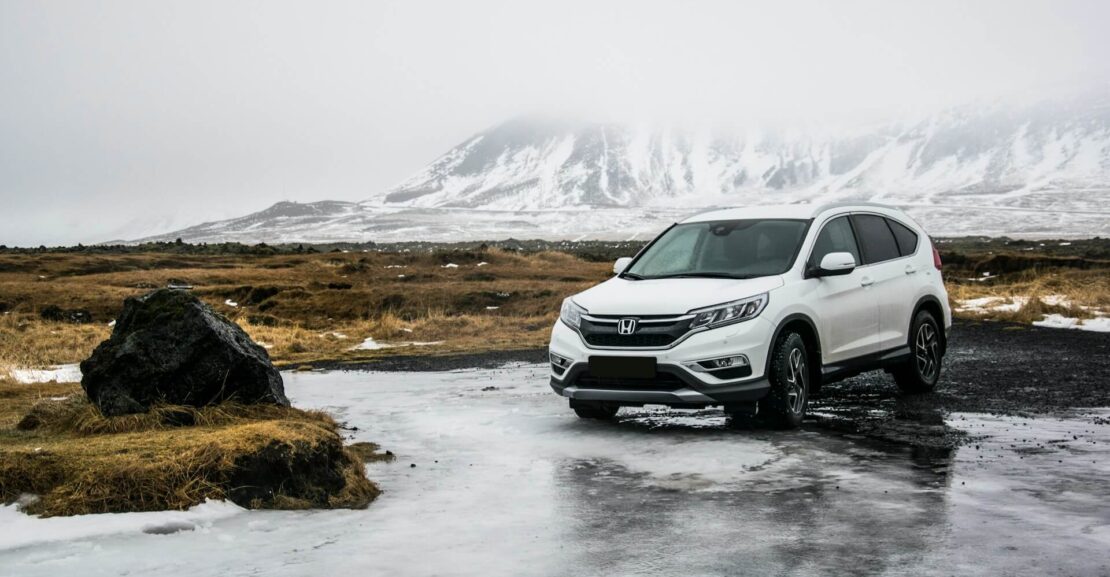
(169, 347)
(58, 314)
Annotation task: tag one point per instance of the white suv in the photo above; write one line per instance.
(752, 309)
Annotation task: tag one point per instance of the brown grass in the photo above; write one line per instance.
(295, 303)
(26, 341)
(54, 444)
(1085, 292)
(370, 452)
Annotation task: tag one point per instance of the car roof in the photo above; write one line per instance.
(789, 211)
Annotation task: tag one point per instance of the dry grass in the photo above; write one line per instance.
(26, 341)
(434, 332)
(315, 307)
(297, 304)
(54, 444)
(371, 452)
(1083, 292)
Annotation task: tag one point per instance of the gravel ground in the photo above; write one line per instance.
(998, 368)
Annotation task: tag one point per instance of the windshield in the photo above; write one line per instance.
(724, 248)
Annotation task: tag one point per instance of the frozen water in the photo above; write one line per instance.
(509, 482)
(60, 373)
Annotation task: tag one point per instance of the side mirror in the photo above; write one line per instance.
(834, 264)
(621, 264)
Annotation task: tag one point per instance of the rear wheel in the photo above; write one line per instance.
(785, 404)
(922, 371)
(595, 410)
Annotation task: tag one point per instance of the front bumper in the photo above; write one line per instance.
(677, 385)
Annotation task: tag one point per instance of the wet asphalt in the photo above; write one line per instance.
(990, 367)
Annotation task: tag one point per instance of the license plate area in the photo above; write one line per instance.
(622, 367)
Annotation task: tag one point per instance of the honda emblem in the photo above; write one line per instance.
(626, 326)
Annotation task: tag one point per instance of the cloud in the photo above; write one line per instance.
(122, 114)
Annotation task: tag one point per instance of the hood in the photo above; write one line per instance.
(618, 296)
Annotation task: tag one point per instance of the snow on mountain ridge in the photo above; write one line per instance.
(1039, 170)
(528, 164)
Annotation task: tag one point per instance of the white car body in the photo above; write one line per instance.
(859, 321)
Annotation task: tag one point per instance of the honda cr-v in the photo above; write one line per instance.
(753, 309)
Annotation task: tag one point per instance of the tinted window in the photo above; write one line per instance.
(907, 239)
(835, 237)
(875, 236)
(733, 248)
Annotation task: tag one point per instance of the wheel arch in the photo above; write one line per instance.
(807, 329)
(931, 304)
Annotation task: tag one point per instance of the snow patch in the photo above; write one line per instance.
(22, 530)
(231, 303)
(59, 373)
(1008, 304)
(1055, 321)
(369, 344)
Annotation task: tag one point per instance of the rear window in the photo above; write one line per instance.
(907, 239)
(877, 241)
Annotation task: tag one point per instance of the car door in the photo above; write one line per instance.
(846, 305)
(886, 275)
(895, 323)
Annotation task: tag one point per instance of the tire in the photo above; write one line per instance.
(922, 371)
(601, 411)
(741, 416)
(790, 375)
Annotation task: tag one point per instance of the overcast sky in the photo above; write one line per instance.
(125, 118)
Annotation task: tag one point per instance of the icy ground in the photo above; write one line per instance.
(508, 482)
(61, 373)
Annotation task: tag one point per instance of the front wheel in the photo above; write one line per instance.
(785, 404)
(922, 371)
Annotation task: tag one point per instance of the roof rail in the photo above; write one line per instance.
(844, 203)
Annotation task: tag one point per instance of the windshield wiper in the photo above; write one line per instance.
(702, 275)
(630, 275)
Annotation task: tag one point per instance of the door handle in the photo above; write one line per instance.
(866, 281)
(910, 269)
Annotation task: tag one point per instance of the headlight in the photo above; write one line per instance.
(571, 313)
(728, 313)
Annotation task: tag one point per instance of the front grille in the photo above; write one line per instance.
(652, 331)
(633, 340)
(661, 382)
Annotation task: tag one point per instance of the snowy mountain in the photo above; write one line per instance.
(1034, 170)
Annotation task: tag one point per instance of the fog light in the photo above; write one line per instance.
(710, 365)
(737, 361)
(724, 363)
(558, 361)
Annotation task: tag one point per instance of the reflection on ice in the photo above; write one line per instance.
(509, 482)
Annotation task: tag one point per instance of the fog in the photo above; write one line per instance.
(125, 118)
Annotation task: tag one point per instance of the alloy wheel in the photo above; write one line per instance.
(797, 381)
(926, 350)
